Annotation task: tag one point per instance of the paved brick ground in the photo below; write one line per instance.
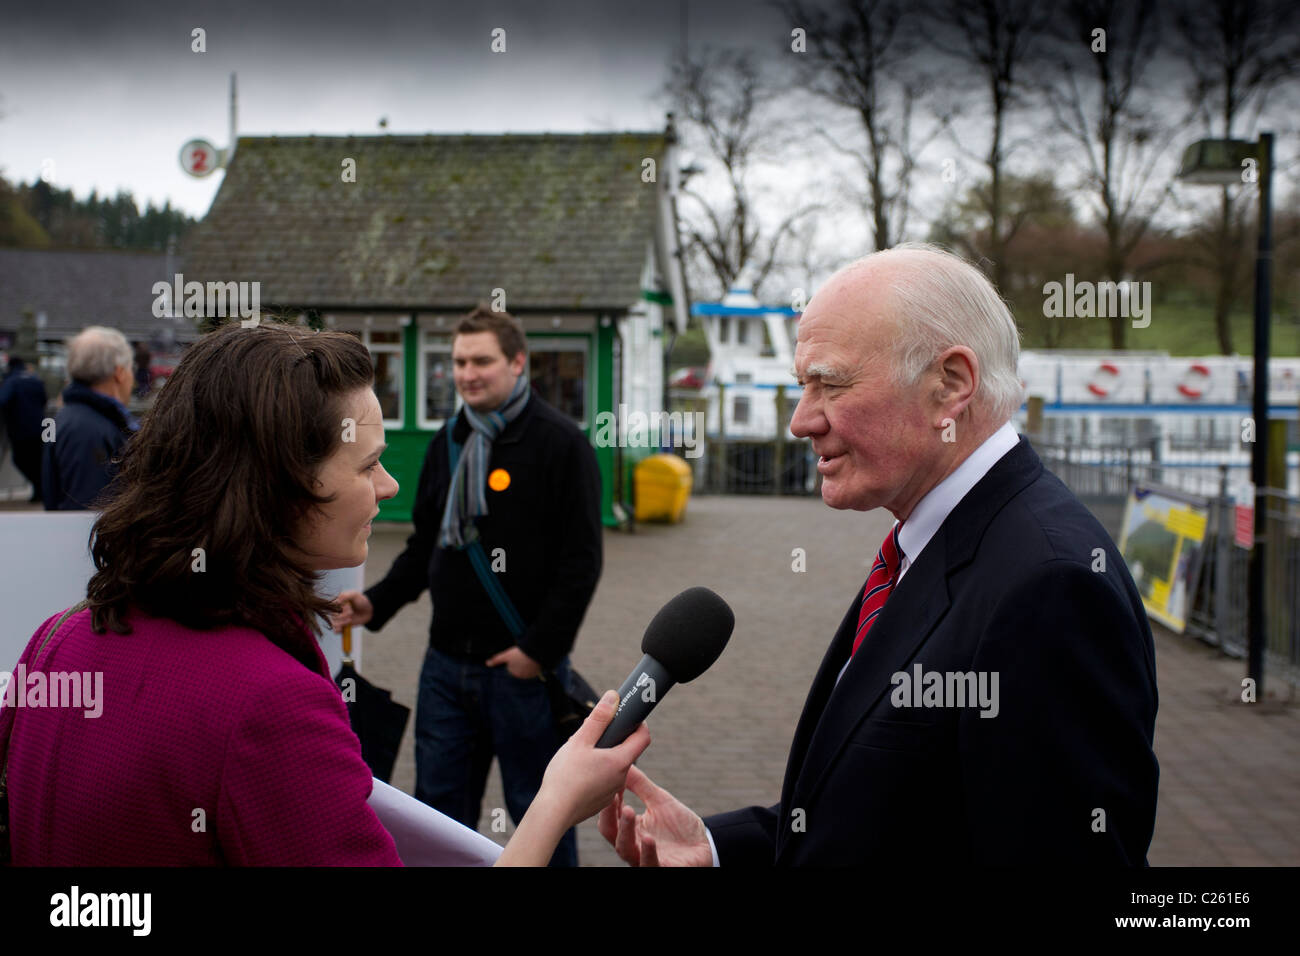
(1230, 773)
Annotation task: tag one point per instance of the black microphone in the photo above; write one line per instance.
(681, 643)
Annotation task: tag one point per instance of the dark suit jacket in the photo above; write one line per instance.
(1012, 584)
(90, 432)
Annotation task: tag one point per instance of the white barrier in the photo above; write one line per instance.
(1212, 380)
(45, 565)
(1118, 378)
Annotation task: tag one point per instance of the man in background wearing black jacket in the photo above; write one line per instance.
(529, 488)
(94, 423)
(22, 403)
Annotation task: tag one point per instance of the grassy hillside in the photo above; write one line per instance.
(1178, 329)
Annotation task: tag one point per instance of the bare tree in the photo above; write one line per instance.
(723, 99)
(1238, 53)
(806, 260)
(995, 39)
(1101, 96)
(861, 57)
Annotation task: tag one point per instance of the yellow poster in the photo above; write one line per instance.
(1162, 541)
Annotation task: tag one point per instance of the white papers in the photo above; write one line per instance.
(425, 837)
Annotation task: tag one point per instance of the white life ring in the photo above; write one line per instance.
(1195, 380)
(1104, 379)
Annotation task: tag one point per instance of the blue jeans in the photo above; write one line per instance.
(465, 713)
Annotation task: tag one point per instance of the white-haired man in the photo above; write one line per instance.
(94, 423)
(990, 696)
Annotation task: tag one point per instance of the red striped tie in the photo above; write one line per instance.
(884, 573)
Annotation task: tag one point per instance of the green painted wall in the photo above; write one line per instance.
(605, 457)
(407, 445)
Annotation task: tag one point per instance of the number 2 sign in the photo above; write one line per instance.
(200, 158)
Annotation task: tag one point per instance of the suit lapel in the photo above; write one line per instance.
(913, 610)
(822, 686)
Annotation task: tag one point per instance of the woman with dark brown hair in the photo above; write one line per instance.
(221, 738)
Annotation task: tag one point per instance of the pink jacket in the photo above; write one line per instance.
(212, 748)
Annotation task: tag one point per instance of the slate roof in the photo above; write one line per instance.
(76, 288)
(560, 221)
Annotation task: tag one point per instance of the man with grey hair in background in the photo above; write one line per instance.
(990, 695)
(94, 423)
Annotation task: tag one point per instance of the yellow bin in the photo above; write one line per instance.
(661, 483)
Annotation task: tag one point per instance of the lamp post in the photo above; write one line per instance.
(1224, 162)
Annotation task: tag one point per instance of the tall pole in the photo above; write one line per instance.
(234, 99)
(1256, 633)
(686, 52)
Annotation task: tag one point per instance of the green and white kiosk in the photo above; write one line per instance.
(575, 235)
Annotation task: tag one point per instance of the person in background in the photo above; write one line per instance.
(94, 423)
(143, 377)
(22, 399)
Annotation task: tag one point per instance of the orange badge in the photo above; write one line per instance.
(499, 480)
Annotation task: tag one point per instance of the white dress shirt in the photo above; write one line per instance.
(933, 510)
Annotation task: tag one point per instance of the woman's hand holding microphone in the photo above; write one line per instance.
(579, 781)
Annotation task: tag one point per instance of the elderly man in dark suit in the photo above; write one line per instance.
(990, 696)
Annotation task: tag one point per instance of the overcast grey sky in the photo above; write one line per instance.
(102, 98)
(105, 98)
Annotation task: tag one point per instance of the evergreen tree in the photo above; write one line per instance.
(40, 216)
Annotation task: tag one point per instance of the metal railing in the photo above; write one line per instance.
(748, 467)
(1217, 611)
(1219, 607)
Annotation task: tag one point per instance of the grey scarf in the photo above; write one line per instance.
(467, 498)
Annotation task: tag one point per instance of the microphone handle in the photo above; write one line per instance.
(644, 688)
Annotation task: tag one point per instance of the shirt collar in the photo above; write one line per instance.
(83, 393)
(132, 423)
(932, 510)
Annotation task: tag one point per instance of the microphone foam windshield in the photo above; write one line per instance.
(689, 633)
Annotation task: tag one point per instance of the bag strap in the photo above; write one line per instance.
(6, 848)
(482, 567)
(479, 560)
(79, 606)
